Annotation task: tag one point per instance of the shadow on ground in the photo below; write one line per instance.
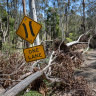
(92, 65)
(88, 72)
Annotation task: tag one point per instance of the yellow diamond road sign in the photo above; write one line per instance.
(34, 53)
(28, 29)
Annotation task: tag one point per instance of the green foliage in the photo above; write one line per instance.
(69, 40)
(46, 82)
(12, 35)
(7, 47)
(32, 93)
(64, 16)
(3, 13)
(42, 31)
(52, 22)
(11, 21)
(72, 37)
(12, 32)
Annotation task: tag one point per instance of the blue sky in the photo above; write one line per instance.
(50, 4)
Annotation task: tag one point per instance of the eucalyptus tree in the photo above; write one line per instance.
(33, 15)
(52, 23)
(91, 14)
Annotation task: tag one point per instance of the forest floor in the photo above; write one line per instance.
(88, 69)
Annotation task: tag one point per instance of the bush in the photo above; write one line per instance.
(69, 40)
(9, 48)
(32, 93)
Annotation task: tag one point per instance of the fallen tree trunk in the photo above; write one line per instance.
(75, 42)
(23, 84)
(78, 40)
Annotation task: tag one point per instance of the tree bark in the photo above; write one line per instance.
(24, 6)
(6, 33)
(33, 15)
(23, 84)
(24, 12)
(83, 3)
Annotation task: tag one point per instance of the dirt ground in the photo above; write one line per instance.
(88, 69)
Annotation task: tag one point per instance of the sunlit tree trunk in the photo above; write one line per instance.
(33, 15)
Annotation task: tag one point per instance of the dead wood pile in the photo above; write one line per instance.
(63, 69)
(78, 46)
(14, 69)
(11, 69)
(75, 87)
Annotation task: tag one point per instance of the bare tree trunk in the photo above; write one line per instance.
(61, 24)
(7, 29)
(0, 25)
(20, 43)
(26, 44)
(0, 34)
(3, 32)
(83, 3)
(16, 19)
(66, 17)
(24, 10)
(33, 15)
(20, 17)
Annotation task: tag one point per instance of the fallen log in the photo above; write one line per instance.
(78, 40)
(2, 90)
(23, 84)
(75, 42)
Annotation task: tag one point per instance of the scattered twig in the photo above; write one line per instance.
(34, 64)
(25, 75)
(10, 80)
